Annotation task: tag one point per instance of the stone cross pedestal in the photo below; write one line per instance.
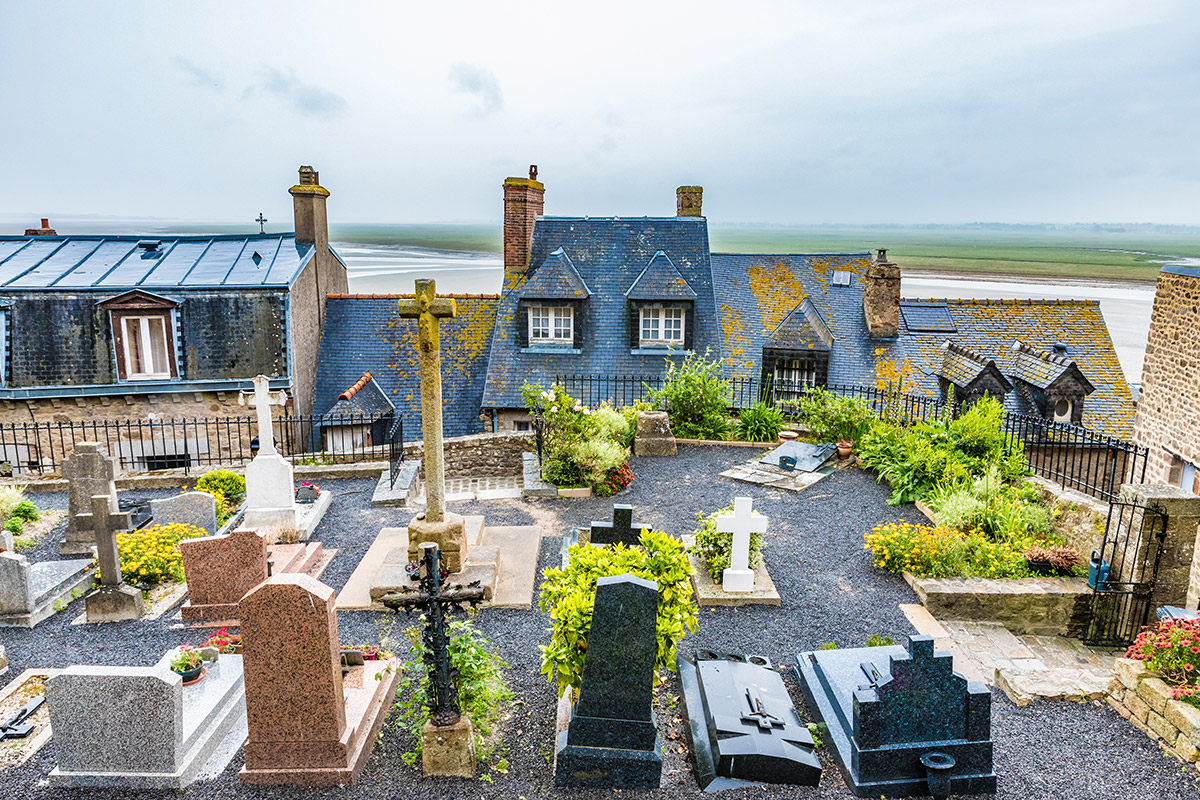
(270, 484)
(435, 525)
(741, 523)
(89, 471)
(113, 601)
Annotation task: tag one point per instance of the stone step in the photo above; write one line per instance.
(403, 493)
(533, 485)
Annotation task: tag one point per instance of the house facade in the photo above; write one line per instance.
(162, 327)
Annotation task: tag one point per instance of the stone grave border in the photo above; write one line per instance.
(41, 737)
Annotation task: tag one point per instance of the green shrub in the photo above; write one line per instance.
(630, 414)
(25, 510)
(998, 509)
(695, 396)
(14, 525)
(569, 593)
(833, 418)
(10, 497)
(760, 423)
(580, 446)
(610, 424)
(715, 548)
(231, 485)
(477, 673)
(595, 457)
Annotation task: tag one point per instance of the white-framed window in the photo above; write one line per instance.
(1062, 410)
(841, 277)
(551, 324)
(661, 326)
(146, 345)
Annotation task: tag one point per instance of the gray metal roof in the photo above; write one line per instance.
(125, 262)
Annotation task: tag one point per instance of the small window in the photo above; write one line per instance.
(1062, 410)
(551, 324)
(841, 277)
(521, 425)
(146, 347)
(661, 326)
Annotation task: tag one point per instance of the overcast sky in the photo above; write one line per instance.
(792, 112)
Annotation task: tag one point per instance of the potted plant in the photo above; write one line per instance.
(370, 652)
(1051, 561)
(844, 448)
(225, 642)
(188, 663)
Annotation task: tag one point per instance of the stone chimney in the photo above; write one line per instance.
(45, 230)
(523, 201)
(308, 200)
(688, 200)
(881, 298)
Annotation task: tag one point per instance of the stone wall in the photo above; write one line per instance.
(481, 455)
(1168, 415)
(1025, 606)
(1143, 698)
(1080, 518)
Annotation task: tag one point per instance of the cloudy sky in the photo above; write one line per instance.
(791, 112)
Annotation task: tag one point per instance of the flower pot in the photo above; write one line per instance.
(370, 656)
(1041, 568)
(844, 448)
(788, 436)
(192, 675)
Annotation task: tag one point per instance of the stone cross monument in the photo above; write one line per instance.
(435, 524)
(741, 523)
(89, 471)
(113, 601)
(270, 485)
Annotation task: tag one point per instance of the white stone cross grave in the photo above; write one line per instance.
(741, 523)
(270, 484)
(262, 400)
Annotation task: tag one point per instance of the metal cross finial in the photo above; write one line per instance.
(262, 223)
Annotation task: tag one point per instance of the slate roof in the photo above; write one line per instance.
(609, 254)
(363, 398)
(961, 366)
(365, 333)
(660, 281)
(557, 278)
(1038, 367)
(127, 262)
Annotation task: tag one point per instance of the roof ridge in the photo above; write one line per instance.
(1044, 355)
(355, 387)
(391, 296)
(962, 350)
(1000, 301)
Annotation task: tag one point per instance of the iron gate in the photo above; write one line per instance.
(1122, 574)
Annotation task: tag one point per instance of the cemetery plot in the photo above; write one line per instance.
(24, 734)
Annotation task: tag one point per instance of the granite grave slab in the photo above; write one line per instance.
(190, 508)
(808, 457)
(30, 592)
(901, 722)
(742, 725)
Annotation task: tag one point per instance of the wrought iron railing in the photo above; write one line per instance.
(1078, 457)
(395, 440)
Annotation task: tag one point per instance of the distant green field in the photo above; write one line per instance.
(1078, 251)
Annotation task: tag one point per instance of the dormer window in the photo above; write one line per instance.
(1063, 410)
(551, 324)
(662, 326)
(143, 331)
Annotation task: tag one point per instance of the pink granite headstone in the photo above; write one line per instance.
(220, 570)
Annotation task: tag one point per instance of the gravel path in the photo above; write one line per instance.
(830, 592)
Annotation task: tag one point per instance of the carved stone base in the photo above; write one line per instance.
(450, 535)
(448, 749)
(115, 604)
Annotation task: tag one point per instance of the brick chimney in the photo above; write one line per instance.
(523, 200)
(45, 230)
(881, 298)
(688, 200)
(308, 200)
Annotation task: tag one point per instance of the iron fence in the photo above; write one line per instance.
(32, 448)
(1078, 457)
(395, 440)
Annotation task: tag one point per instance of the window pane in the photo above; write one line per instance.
(133, 346)
(649, 324)
(673, 324)
(539, 322)
(562, 322)
(158, 345)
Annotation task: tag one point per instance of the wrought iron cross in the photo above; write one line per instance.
(262, 223)
(759, 714)
(438, 601)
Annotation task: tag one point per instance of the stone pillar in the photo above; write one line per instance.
(523, 202)
(881, 298)
(1178, 581)
(308, 202)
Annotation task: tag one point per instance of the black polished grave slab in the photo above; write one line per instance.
(622, 528)
(901, 722)
(743, 727)
(612, 739)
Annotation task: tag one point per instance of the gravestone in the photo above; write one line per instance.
(622, 528)
(270, 483)
(612, 740)
(112, 601)
(743, 727)
(738, 577)
(220, 570)
(308, 725)
(901, 721)
(805, 457)
(140, 727)
(6, 542)
(652, 435)
(89, 471)
(30, 592)
(190, 508)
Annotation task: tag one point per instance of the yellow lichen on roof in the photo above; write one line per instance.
(473, 332)
(737, 344)
(887, 374)
(776, 291)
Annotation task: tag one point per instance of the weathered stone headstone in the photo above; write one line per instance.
(738, 577)
(270, 483)
(89, 471)
(307, 726)
(190, 508)
(220, 570)
(112, 601)
(139, 727)
(901, 721)
(652, 436)
(742, 724)
(30, 592)
(622, 528)
(612, 740)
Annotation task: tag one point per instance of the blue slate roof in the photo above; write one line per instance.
(365, 333)
(609, 255)
(364, 398)
(126, 262)
(556, 279)
(660, 281)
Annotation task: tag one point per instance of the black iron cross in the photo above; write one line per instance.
(262, 223)
(13, 729)
(437, 601)
(759, 715)
(621, 529)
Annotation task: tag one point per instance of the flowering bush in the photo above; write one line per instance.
(1172, 648)
(224, 642)
(151, 555)
(185, 658)
(231, 485)
(941, 552)
(617, 479)
(581, 446)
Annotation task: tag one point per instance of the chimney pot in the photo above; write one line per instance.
(45, 222)
(308, 202)
(533, 172)
(45, 230)
(689, 201)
